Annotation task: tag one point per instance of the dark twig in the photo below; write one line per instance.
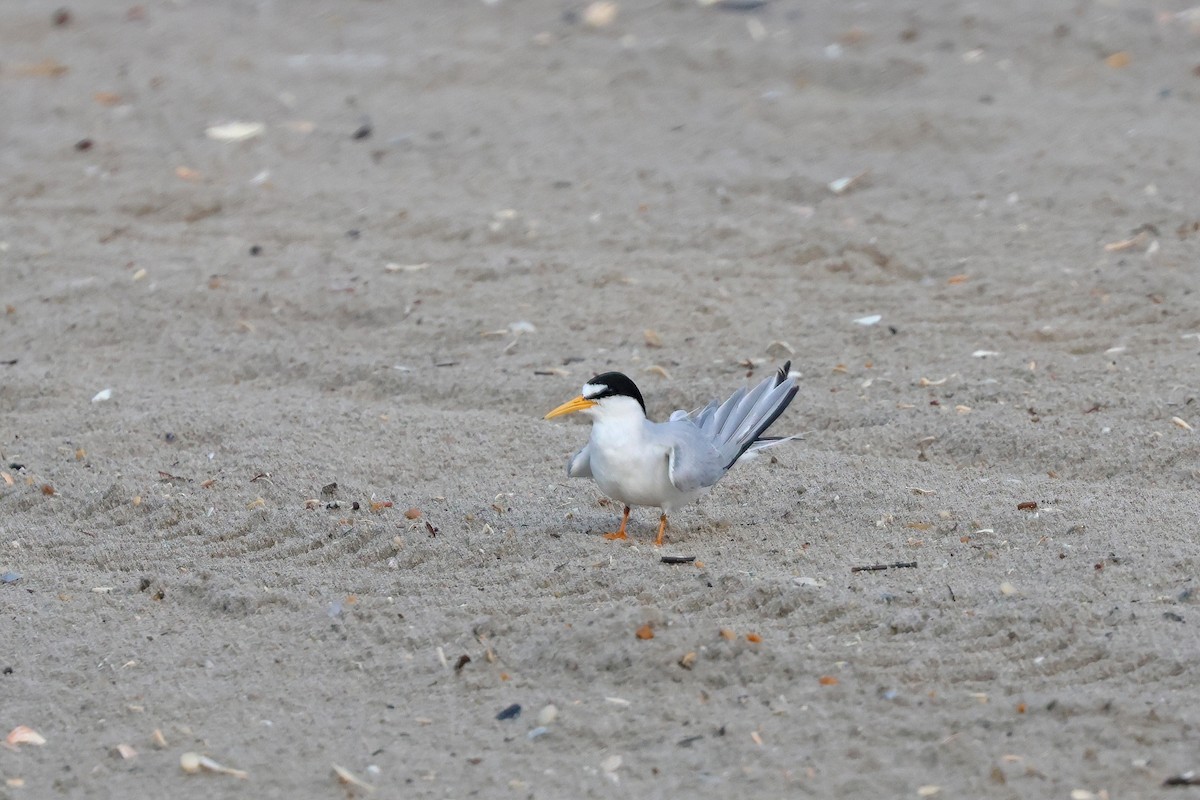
(1186, 779)
(877, 567)
(678, 559)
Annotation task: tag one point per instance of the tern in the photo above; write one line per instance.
(669, 464)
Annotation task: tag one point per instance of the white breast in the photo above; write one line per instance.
(631, 470)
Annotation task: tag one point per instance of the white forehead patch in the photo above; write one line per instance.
(590, 390)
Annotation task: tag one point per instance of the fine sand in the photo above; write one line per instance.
(457, 212)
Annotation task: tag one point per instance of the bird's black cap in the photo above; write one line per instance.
(611, 384)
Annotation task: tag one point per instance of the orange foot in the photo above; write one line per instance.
(619, 533)
(662, 528)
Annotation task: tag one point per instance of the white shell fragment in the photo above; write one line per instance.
(600, 14)
(843, 185)
(872, 319)
(1181, 423)
(23, 734)
(392, 266)
(547, 715)
(522, 326)
(102, 395)
(778, 349)
(348, 778)
(235, 131)
(192, 763)
(985, 353)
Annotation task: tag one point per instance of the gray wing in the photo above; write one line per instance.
(733, 427)
(580, 465)
(692, 461)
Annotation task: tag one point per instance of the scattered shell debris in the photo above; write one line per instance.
(348, 778)
(23, 734)
(600, 14)
(1119, 59)
(778, 349)
(1138, 240)
(547, 715)
(193, 763)
(235, 131)
(843, 185)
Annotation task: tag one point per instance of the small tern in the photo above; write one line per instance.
(669, 464)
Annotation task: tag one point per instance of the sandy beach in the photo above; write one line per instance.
(287, 288)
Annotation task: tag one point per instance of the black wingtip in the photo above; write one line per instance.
(781, 376)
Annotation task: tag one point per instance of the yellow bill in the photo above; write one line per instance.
(571, 406)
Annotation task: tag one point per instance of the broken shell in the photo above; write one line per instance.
(600, 14)
(235, 131)
(547, 715)
(522, 326)
(102, 395)
(843, 185)
(23, 734)
(659, 371)
(1182, 423)
(192, 763)
(779, 349)
(652, 338)
(347, 777)
(872, 319)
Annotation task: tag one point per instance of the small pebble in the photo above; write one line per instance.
(512, 712)
(13, 577)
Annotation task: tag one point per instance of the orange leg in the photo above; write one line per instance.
(619, 533)
(662, 527)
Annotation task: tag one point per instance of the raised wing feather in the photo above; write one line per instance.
(735, 426)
